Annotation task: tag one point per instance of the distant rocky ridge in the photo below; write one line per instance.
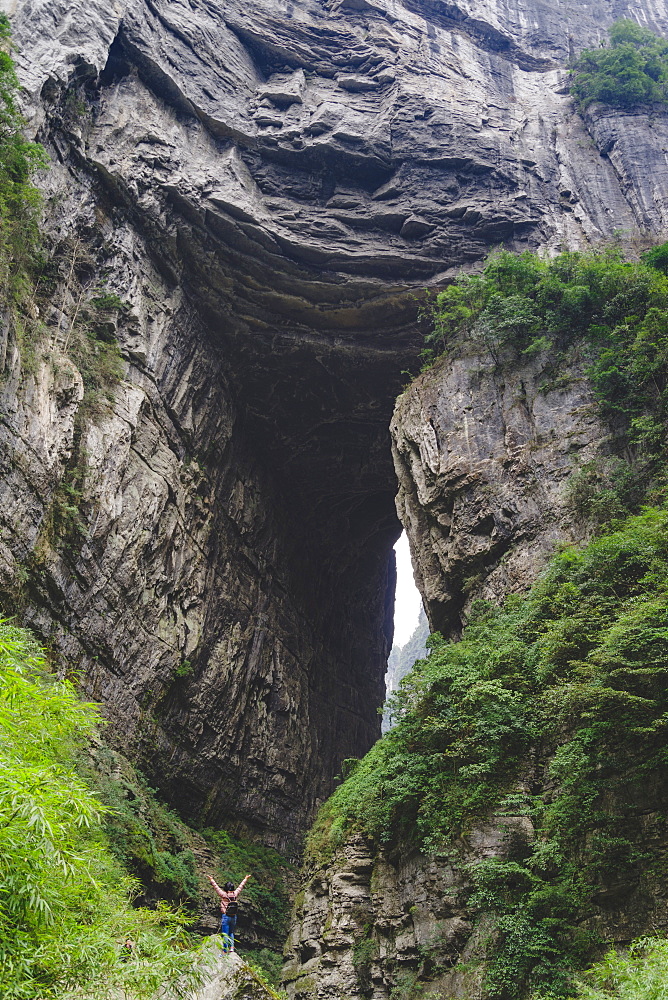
(402, 659)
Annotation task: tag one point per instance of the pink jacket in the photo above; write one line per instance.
(226, 897)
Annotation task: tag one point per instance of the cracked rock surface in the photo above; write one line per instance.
(485, 457)
(410, 910)
(265, 185)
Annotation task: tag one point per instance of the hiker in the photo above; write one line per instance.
(229, 909)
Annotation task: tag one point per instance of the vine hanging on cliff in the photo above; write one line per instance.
(20, 200)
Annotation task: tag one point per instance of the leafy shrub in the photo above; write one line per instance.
(568, 682)
(407, 986)
(365, 952)
(612, 313)
(19, 159)
(100, 362)
(267, 888)
(107, 301)
(268, 962)
(641, 974)
(259, 974)
(22, 261)
(632, 70)
(65, 902)
(148, 838)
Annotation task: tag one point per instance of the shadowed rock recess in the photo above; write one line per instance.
(264, 185)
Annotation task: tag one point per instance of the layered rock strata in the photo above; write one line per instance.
(151, 547)
(368, 924)
(372, 925)
(264, 186)
(487, 456)
(488, 453)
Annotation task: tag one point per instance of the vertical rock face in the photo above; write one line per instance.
(211, 637)
(367, 923)
(373, 926)
(487, 451)
(263, 186)
(485, 457)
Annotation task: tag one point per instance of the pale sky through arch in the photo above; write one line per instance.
(407, 601)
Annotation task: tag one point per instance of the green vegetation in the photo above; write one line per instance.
(259, 974)
(32, 280)
(101, 365)
(147, 838)
(568, 682)
(266, 963)
(83, 840)
(632, 70)
(642, 974)
(595, 310)
(365, 951)
(28, 275)
(91, 344)
(19, 199)
(409, 987)
(157, 847)
(65, 903)
(108, 301)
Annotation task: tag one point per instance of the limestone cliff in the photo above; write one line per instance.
(263, 186)
(484, 458)
(487, 452)
(369, 924)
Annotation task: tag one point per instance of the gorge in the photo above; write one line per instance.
(249, 201)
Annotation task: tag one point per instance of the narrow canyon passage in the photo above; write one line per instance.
(305, 275)
(264, 193)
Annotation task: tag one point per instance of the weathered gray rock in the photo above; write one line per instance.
(228, 977)
(485, 455)
(367, 922)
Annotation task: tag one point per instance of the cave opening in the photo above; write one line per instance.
(407, 599)
(410, 626)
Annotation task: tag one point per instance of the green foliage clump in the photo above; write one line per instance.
(184, 669)
(267, 887)
(365, 952)
(108, 301)
(632, 70)
(19, 159)
(65, 903)
(262, 974)
(266, 962)
(641, 974)
(611, 313)
(99, 360)
(569, 682)
(148, 838)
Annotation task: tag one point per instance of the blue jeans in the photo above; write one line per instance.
(227, 925)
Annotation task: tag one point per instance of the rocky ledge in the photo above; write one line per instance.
(263, 187)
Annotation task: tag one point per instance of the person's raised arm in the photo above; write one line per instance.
(241, 885)
(217, 888)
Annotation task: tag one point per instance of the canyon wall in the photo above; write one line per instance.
(264, 187)
(495, 452)
(372, 924)
(486, 456)
(486, 451)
